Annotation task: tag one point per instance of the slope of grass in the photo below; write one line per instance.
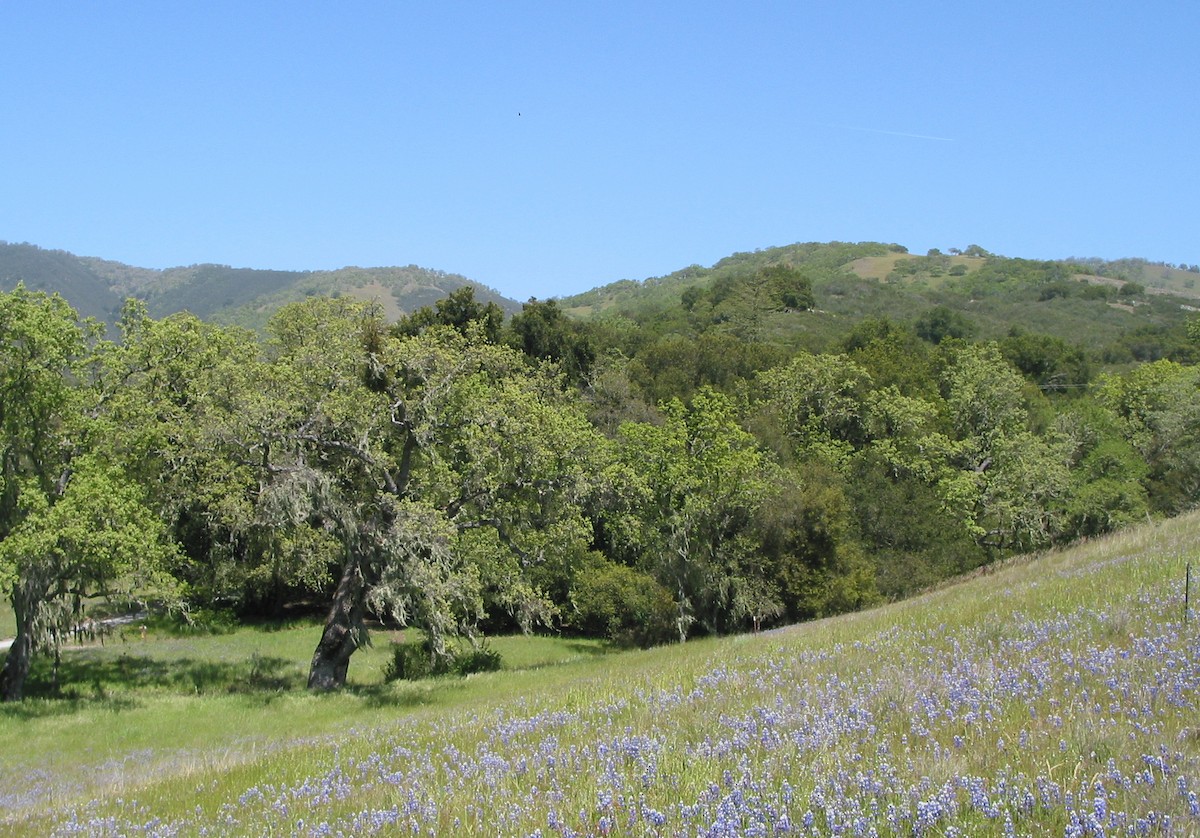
(1050, 696)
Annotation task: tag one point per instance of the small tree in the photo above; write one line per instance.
(95, 538)
(71, 524)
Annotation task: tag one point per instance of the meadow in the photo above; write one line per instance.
(1052, 695)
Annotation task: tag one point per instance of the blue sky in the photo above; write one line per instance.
(546, 148)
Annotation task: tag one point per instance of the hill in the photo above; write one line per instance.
(1117, 312)
(56, 271)
(1052, 695)
(242, 296)
(1121, 310)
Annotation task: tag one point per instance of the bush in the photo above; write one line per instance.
(414, 661)
(482, 658)
(625, 605)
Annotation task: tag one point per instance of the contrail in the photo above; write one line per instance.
(890, 133)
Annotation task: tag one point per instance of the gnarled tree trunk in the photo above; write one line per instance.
(344, 631)
(20, 654)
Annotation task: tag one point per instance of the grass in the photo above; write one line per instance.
(878, 267)
(1053, 695)
(8, 620)
(133, 705)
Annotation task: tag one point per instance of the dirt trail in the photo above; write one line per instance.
(125, 620)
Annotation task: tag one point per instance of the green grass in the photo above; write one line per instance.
(8, 621)
(1092, 615)
(220, 699)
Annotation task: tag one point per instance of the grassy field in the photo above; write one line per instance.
(1055, 695)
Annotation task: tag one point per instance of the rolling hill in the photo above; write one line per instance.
(243, 296)
(1119, 311)
(1130, 310)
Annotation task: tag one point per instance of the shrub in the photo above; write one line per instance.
(625, 605)
(482, 658)
(414, 661)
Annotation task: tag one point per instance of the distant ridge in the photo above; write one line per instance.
(1092, 302)
(56, 271)
(98, 287)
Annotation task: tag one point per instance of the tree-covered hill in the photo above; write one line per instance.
(56, 271)
(242, 296)
(1116, 312)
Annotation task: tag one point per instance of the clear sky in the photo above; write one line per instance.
(546, 148)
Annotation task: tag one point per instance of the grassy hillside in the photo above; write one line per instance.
(1056, 695)
(1158, 277)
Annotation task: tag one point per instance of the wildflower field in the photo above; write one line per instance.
(1056, 695)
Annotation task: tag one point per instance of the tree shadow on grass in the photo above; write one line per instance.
(377, 696)
(43, 708)
(112, 680)
(592, 650)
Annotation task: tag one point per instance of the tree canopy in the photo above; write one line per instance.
(464, 474)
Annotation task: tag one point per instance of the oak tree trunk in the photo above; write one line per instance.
(343, 632)
(20, 654)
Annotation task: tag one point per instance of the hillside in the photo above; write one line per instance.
(242, 296)
(56, 271)
(1052, 695)
(1117, 312)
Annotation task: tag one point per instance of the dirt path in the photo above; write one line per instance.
(125, 620)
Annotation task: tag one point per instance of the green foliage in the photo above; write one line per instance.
(819, 402)
(1158, 413)
(415, 661)
(806, 540)
(710, 455)
(1049, 362)
(911, 538)
(676, 366)
(72, 525)
(460, 311)
(691, 488)
(941, 322)
(893, 356)
(542, 332)
(790, 288)
(1005, 477)
(623, 604)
